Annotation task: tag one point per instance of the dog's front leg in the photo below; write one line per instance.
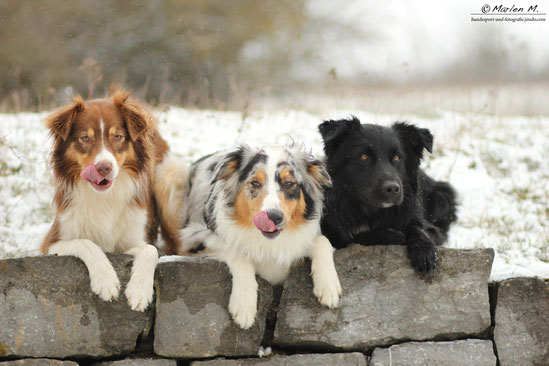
(421, 248)
(325, 279)
(140, 289)
(243, 301)
(103, 279)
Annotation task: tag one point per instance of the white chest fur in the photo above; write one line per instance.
(109, 219)
(272, 258)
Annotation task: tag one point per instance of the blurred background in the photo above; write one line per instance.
(412, 56)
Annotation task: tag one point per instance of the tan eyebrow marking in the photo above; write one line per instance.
(285, 173)
(260, 176)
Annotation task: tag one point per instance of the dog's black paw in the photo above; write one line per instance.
(423, 256)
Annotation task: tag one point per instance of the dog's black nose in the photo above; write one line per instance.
(390, 188)
(275, 215)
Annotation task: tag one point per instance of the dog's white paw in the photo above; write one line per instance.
(104, 282)
(327, 290)
(139, 294)
(243, 309)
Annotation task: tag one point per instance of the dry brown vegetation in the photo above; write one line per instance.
(167, 51)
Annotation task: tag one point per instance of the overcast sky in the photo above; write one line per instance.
(411, 38)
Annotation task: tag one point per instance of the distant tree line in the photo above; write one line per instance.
(168, 51)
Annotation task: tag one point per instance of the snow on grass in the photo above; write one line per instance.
(498, 166)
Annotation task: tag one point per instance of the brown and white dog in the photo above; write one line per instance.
(104, 158)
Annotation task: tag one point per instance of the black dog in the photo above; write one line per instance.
(379, 194)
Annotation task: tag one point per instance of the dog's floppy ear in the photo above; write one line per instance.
(414, 137)
(137, 119)
(333, 131)
(230, 164)
(318, 171)
(60, 122)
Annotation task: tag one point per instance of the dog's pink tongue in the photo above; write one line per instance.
(264, 223)
(91, 174)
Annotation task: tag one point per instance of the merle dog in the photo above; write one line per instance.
(379, 193)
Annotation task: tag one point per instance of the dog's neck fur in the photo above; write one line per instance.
(109, 219)
(360, 220)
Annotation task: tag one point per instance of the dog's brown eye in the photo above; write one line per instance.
(255, 184)
(289, 185)
(396, 158)
(364, 157)
(84, 139)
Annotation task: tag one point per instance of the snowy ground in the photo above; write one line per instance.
(498, 165)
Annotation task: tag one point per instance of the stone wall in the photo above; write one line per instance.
(388, 315)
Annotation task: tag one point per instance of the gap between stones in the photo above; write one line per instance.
(271, 319)
(493, 288)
